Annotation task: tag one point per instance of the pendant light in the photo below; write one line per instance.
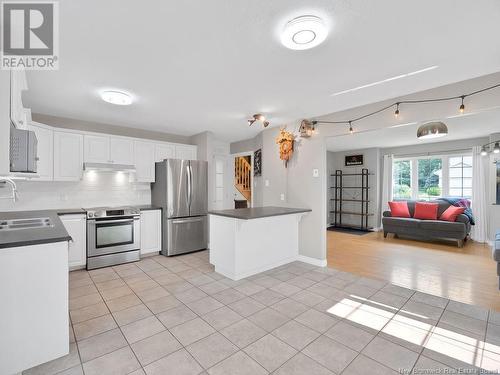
(432, 130)
(462, 106)
(396, 112)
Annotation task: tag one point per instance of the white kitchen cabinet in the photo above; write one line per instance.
(68, 156)
(96, 149)
(187, 152)
(144, 155)
(76, 226)
(108, 149)
(121, 150)
(150, 231)
(45, 150)
(164, 151)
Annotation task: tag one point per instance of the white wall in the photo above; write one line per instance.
(94, 190)
(97, 127)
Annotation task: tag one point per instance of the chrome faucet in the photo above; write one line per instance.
(13, 186)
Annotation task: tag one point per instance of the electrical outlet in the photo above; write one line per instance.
(315, 172)
(282, 196)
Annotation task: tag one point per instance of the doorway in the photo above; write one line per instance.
(243, 180)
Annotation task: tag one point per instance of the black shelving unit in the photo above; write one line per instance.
(338, 199)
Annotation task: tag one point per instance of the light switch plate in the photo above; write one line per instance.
(282, 196)
(266, 182)
(315, 172)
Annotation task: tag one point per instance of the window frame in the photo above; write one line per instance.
(445, 171)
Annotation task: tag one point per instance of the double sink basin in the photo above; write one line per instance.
(32, 223)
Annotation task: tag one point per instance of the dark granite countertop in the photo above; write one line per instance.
(258, 212)
(148, 207)
(33, 236)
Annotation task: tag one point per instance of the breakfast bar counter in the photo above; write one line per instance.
(247, 241)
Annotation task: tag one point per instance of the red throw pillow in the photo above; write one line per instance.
(426, 211)
(399, 209)
(452, 213)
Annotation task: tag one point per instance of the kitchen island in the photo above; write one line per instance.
(247, 241)
(34, 322)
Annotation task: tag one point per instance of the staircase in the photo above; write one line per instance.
(242, 177)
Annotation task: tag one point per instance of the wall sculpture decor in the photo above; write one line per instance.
(285, 140)
(257, 163)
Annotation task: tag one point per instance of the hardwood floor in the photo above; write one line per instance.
(467, 275)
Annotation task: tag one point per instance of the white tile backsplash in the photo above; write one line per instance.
(94, 190)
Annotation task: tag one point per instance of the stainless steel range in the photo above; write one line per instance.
(113, 236)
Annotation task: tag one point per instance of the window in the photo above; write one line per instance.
(431, 177)
(401, 177)
(460, 176)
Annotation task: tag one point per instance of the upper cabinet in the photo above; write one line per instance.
(187, 152)
(96, 149)
(144, 153)
(121, 150)
(45, 155)
(164, 151)
(68, 156)
(108, 149)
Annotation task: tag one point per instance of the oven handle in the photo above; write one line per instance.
(114, 221)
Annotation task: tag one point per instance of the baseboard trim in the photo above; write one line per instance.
(313, 261)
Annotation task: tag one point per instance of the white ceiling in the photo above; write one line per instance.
(209, 65)
(461, 127)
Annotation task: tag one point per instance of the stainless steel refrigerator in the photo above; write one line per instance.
(181, 189)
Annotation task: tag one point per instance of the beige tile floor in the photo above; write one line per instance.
(177, 316)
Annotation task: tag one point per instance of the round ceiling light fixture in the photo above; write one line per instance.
(432, 130)
(304, 32)
(116, 97)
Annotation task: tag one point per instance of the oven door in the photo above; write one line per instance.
(108, 236)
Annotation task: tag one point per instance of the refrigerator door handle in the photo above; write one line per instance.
(188, 220)
(190, 171)
(188, 193)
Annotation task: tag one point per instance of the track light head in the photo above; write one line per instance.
(483, 151)
(496, 148)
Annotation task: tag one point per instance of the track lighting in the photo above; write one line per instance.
(462, 106)
(496, 149)
(396, 112)
(258, 117)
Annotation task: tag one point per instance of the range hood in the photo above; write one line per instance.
(108, 167)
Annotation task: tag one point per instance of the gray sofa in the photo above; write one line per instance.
(428, 229)
(496, 254)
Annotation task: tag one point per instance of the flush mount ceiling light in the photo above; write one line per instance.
(304, 32)
(116, 97)
(258, 117)
(432, 130)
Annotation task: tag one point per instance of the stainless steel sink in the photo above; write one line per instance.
(18, 224)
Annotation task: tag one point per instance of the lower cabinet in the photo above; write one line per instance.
(150, 231)
(76, 226)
